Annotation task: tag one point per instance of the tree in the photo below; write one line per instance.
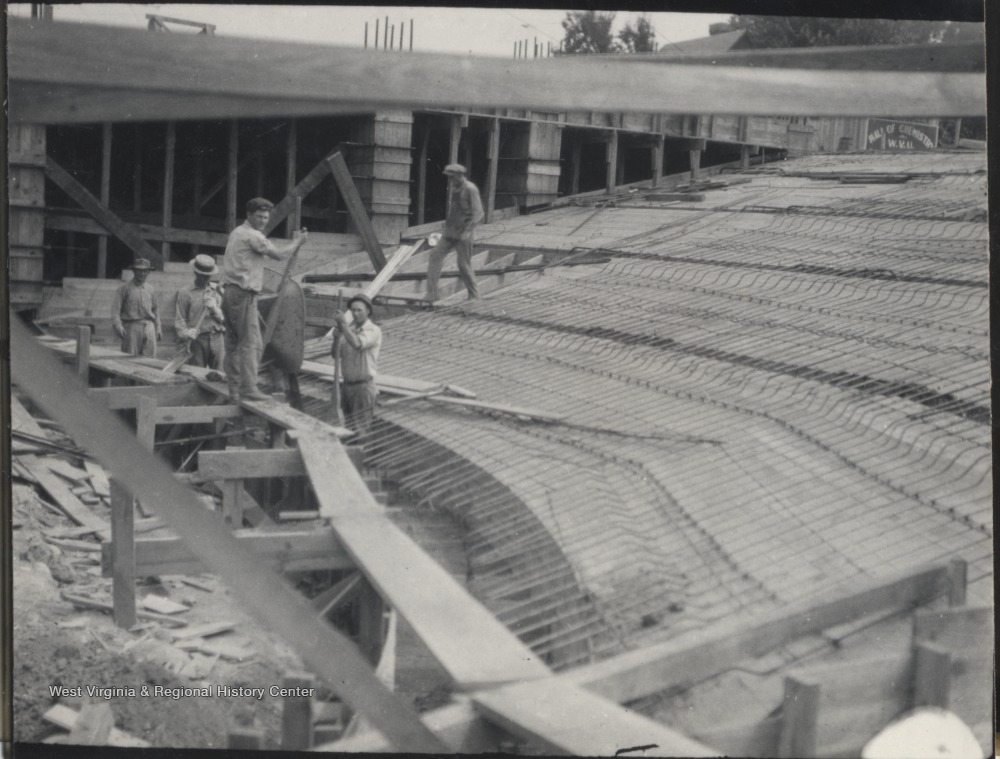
(798, 31)
(588, 32)
(638, 39)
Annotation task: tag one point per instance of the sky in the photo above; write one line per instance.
(479, 31)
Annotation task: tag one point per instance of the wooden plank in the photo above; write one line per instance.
(93, 725)
(71, 223)
(799, 714)
(232, 172)
(958, 580)
(932, 676)
(195, 414)
(65, 717)
(69, 503)
(704, 653)
(690, 197)
(231, 465)
(122, 549)
(163, 605)
(67, 470)
(204, 630)
(169, 151)
(118, 398)
(337, 595)
(567, 719)
(412, 583)
(611, 173)
(966, 631)
(145, 421)
(82, 360)
(356, 208)
(232, 502)
(493, 156)
(298, 551)
(296, 712)
(287, 204)
(120, 229)
(98, 478)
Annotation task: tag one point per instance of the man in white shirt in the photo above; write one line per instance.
(360, 343)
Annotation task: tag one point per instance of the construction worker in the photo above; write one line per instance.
(134, 314)
(465, 211)
(243, 278)
(359, 346)
(198, 316)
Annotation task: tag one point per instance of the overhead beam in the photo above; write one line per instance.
(120, 229)
(240, 78)
(232, 465)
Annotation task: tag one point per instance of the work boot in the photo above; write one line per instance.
(234, 393)
(253, 394)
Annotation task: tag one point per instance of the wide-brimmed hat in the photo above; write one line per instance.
(142, 263)
(363, 298)
(203, 264)
(454, 168)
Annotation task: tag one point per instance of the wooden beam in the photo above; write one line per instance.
(102, 243)
(169, 151)
(145, 421)
(137, 168)
(931, 676)
(289, 551)
(800, 711)
(657, 158)
(566, 719)
(611, 172)
(371, 613)
(337, 595)
(356, 208)
(123, 554)
(422, 175)
(231, 465)
(412, 583)
(286, 206)
(291, 170)
(120, 229)
(576, 160)
(704, 653)
(232, 172)
(454, 137)
(232, 502)
(493, 155)
(71, 223)
(195, 414)
(83, 352)
(69, 503)
(65, 717)
(296, 712)
(958, 580)
(118, 398)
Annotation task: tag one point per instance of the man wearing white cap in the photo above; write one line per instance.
(134, 314)
(465, 211)
(198, 316)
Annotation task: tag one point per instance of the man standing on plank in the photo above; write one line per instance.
(134, 314)
(243, 275)
(465, 211)
(359, 347)
(198, 316)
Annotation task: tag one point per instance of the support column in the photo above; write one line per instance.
(234, 146)
(102, 241)
(370, 613)
(493, 154)
(168, 185)
(83, 352)
(695, 163)
(122, 555)
(575, 160)
(454, 137)
(258, 154)
(611, 173)
(657, 156)
(291, 164)
(199, 176)
(26, 208)
(137, 170)
(744, 156)
(422, 176)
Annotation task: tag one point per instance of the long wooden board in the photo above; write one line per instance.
(355, 206)
(117, 398)
(566, 719)
(454, 626)
(55, 487)
(235, 465)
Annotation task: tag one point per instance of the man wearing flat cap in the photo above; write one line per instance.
(465, 211)
(134, 314)
(198, 316)
(359, 347)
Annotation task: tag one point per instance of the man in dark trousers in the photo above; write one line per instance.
(134, 313)
(198, 316)
(360, 342)
(465, 211)
(243, 275)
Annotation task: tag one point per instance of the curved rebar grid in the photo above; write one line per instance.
(761, 400)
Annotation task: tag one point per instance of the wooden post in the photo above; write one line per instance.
(612, 161)
(258, 157)
(577, 158)
(958, 571)
(199, 176)
(695, 158)
(370, 614)
(657, 151)
(291, 165)
(234, 148)
(102, 241)
(422, 176)
(137, 170)
(958, 133)
(70, 254)
(493, 154)
(145, 422)
(245, 739)
(168, 184)
(296, 713)
(122, 555)
(454, 137)
(83, 352)
(798, 722)
(232, 503)
(931, 676)
(744, 156)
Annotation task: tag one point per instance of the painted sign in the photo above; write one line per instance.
(883, 134)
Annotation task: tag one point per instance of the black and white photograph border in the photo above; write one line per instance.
(587, 382)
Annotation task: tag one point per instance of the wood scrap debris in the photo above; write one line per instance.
(86, 602)
(203, 631)
(163, 605)
(66, 717)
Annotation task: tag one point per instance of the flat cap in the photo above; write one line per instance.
(454, 168)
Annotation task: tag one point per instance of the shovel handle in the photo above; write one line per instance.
(336, 367)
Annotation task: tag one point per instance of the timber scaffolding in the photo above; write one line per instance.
(798, 405)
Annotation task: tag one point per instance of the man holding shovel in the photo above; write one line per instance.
(243, 275)
(356, 347)
(198, 317)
